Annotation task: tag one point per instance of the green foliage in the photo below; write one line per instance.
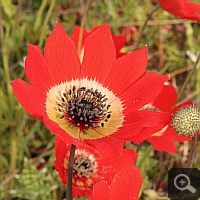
(32, 183)
(31, 22)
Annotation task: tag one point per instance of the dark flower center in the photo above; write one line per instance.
(186, 120)
(83, 166)
(85, 108)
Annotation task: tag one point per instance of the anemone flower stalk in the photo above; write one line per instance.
(70, 173)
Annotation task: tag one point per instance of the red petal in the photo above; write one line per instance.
(75, 36)
(101, 191)
(170, 133)
(134, 122)
(187, 103)
(37, 71)
(162, 143)
(119, 41)
(28, 98)
(109, 146)
(184, 9)
(126, 184)
(99, 53)
(126, 70)
(172, 6)
(191, 10)
(166, 99)
(162, 120)
(55, 129)
(61, 56)
(143, 91)
(116, 163)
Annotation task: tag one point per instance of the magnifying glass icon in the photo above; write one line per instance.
(182, 181)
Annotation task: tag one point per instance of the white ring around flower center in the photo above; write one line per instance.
(54, 99)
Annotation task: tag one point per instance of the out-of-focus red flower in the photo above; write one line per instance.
(163, 139)
(119, 40)
(126, 185)
(184, 9)
(129, 32)
(96, 100)
(90, 166)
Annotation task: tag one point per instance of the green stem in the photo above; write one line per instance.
(39, 16)
(69, 195)
(13, 161)
(82, 25)
(144, 26)
(188, 78)
(44, 26)
(137, 151)
(141, 163)
(5, 58)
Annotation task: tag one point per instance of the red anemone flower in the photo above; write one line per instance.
(97, 100)
(119, 40)
(126, 184)
(90, 166)
(163, 139)
(184, 9)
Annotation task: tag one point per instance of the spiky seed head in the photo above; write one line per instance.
(186, 120)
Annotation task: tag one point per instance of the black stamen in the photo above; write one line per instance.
(108, 116)
(84, 107)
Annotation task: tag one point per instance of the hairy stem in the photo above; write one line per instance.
(192, 154)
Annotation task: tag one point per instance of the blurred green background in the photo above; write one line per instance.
(26, 146)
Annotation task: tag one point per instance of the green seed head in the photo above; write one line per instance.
(186, 121)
